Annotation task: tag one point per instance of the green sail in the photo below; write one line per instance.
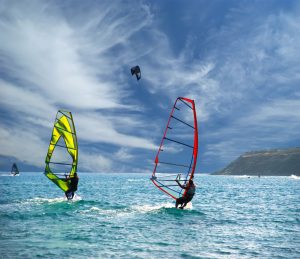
(63, 136)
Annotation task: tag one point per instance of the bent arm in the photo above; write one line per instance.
(182, 186)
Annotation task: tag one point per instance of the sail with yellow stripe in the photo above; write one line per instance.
(62, 156)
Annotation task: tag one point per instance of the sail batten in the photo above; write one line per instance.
(59, 163)
(57, 145)
(182, 122)
(179, 144)
(168, 163)
(64, 130)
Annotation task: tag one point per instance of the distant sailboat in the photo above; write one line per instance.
(14, 170)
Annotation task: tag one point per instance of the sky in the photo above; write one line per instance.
(239, 61)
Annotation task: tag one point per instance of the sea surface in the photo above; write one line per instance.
(126, 216)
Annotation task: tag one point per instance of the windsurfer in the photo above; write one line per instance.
(72, 186)
(190, 188)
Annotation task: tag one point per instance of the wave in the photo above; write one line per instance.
(121, 211)
(96, 211)
(150, 208)
(133, 210)
(165, 208)
(92, 208)
(39, 200)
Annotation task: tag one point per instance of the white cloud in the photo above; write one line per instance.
(123, 154)
(98, 128)
(94, 162)
(53, 61)
(44, 52)
(23, 145)
(22, 101)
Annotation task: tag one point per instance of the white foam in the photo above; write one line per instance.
(76, 198)
(48, 200)
(189, 206)
(242, 176)
(148, 208)
(53, 200)
(115, 213)
(95, 209)
(295, 177)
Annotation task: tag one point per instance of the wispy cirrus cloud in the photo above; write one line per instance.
(241, 68)
(52, 59)
(46, 53)
(268, 126)
(245, 85)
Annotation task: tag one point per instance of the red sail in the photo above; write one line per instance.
(176, 158)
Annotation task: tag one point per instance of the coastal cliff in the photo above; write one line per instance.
(276, 162)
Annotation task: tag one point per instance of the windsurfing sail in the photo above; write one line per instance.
(14, 170)
(136, 71)
(176, 158)
(62, 157)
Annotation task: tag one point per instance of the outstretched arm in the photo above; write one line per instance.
(182, 186)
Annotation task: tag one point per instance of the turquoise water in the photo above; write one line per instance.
(125, 216)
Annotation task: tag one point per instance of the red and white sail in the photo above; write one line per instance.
(176, 158)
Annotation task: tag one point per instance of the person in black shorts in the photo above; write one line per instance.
(72, 186)
(189, 193)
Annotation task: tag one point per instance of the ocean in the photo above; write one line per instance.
(126, 216)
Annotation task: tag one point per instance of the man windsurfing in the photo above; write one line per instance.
(72, 186)
(190, 188)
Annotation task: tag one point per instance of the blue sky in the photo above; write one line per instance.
(239, 61)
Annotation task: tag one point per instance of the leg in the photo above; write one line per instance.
(69, 195)
(179, 201)
(185, 201)
(183, 205)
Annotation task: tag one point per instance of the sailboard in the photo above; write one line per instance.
(176, 158)
(62, 156)
(14, 170)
